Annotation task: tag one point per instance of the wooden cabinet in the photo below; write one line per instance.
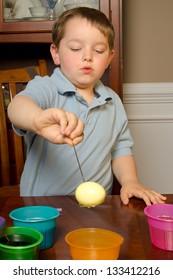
(40, 32)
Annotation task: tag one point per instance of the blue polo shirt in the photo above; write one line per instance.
(52, 169)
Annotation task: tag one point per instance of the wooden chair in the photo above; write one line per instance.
(7, 191)
(11, 145)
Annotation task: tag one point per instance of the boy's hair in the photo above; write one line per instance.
(95, 17)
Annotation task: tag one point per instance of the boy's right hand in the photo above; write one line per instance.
(59, 126)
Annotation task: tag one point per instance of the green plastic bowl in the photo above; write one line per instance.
(20, 243)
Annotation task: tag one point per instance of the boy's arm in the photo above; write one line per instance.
(124, 169)
(56, 125)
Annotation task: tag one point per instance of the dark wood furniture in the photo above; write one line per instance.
(129, 221)
(11, 145)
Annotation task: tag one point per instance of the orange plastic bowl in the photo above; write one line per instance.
(94, 244)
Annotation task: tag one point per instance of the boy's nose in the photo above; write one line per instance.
(87, 57)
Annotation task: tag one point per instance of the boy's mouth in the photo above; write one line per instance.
(87, 70)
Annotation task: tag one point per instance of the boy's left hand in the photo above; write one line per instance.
(140, 191)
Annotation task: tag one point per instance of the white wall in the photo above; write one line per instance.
(147, 41)
(149, 109)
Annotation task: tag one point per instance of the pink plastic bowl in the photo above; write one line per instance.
(160, 221)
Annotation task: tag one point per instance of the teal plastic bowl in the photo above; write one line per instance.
(41, 218)
(20, 243)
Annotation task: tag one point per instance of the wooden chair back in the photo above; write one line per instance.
(11, 145)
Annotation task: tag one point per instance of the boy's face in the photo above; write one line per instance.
(83, 53)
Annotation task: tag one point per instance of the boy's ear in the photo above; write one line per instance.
(55, 55)
(112, 54)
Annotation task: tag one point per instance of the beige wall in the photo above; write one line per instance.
(148, 41)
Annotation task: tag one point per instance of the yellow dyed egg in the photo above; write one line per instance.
(90, 194)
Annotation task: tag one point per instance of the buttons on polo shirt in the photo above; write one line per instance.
(79, 98)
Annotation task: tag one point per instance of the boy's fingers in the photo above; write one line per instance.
(74, 128)
(78, 131)
(68, 123)
(77, 140)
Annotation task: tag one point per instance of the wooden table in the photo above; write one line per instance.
(129, 221)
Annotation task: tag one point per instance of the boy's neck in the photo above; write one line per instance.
(87, 94)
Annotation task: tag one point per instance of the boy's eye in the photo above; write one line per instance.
(98, 51)
(75, 49)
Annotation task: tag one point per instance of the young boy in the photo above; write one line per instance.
(73, 108)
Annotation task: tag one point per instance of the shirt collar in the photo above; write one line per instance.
(64, 86)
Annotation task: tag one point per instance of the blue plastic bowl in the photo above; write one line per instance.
(41, 218)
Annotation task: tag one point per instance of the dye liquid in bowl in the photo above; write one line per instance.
(17, 240)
